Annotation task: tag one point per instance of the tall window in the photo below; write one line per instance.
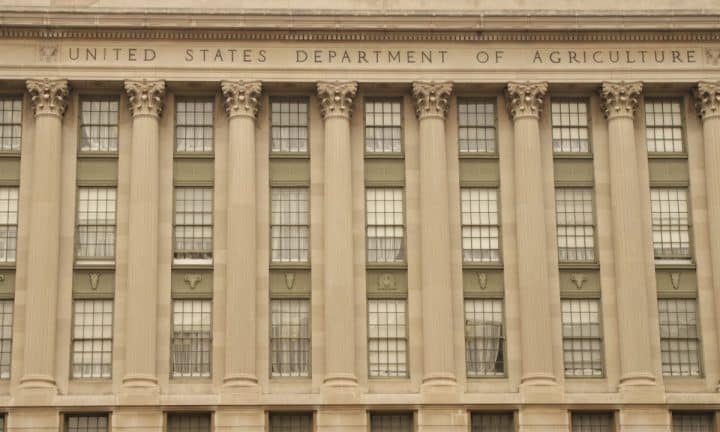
(575, 224)
(480, 225)
(92, 339)
(592, 422)
(290, 337)
(484, 337)
(10, 124)
(6, 333)
(193, 225)
(387, 338)
(8, 224)
(476, 126)
(395, 422)
(582, 337)
(385, 225)
(570, 127)
(99, 126)
(194, 126)
(290, 225)
(86, 423)
(492, 422)
(671, 224)
(188, 422)
(291, 422)
(383, 126)
(96, 223)
(692, 422)
(679, 337)
(191, 338)
(289, 130)
(663, 126)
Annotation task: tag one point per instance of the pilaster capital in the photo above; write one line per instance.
(336, 98)
(620, 98)
(707, 99)
(242, 98)
(431, 98)
(49, 96)
(146, 97)
(525, 99)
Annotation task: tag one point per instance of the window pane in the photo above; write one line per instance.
(663, 126)
(484, 338)
(291, 422)
(191, 338)
(194, 126)
(492, 422)
(92, 339)
(290, 225)
(692, 422)
(671, 224)
(570, 127)
(10, 124)
(582, 337)
(6, 334)
(188, 423)
(385, 225)
(575, 224)
(8, 224)
(387, 338)
(290, 337)
(476, 127)
(96, 223)
(391, 422)
(383, 127)
(480, 225)
(193, 225)
(679, 337)
(99, 126)
(289, 125)
(592, 422)
(87, 423)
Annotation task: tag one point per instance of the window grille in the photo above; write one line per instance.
(96, 223)
(679, 337)
(396, 422)
(484, 337)
(476, 127)
(194, 126)
(671, 224)
(8, 224)
(87, 423)
(99, 126)
(692, 422)
(570, 127)
(663, 126)
(290, 225)
(592, 422)
(575, 224)
(92, 339)
(582, 337)
(289, 129)
(2, 422)
(290, 337)
(492, 422)
(291, 422)
(191, 338)
(188, 422)
(480, 225)
(6, 337)
(193, 225)
(387, 338)
(385, 225)
(383, 126)
(10, 124)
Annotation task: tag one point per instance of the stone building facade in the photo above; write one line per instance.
(467, 216)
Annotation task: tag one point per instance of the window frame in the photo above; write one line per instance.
(15, 97)
(16, 187)
(594, 225)
(588, 113)
(274, 414)
(309, 339)
(496, 135)
(97, 97)
(680, 99)
(170, 415)
(601, 337)
(384, 264)
(503, 338)
(406, 376)
(511, 414)
(610, 414)
(674, 260)
(290, 264)
(73, 339)
(498, 200)
(11, 302)
(390, 98)
(213, 125)
(94, 261)
(193, 262)
(711, 415)
(308, 125)
(171, 369)
(411, 414)
(699, 339)
(67, 415)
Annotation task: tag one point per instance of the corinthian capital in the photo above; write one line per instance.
(525, 98)
(336, 98)
(431, 98)
(49, 96)
(146, 97)
(620, 98)
(707, 99)
(242, 98)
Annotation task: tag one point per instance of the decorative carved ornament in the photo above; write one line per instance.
(48, 53)
(290, 280)
(482, 280)
(675, 280)
(146, 97)
(620, 98)
(2, 278)
(241, 97)
(713, 55)
(94, 280)
(49, 96)
(707, 99)
(336, 98)
(525, 98)
(431, 98)
(578, 279)
(386, 282)
(192, 280)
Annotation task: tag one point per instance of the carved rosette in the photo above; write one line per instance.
(49, 96)
(146, 97)
(336, 98)
(707, 99)
(525, 98)
(431, 98)
(242, 98)
(620, 98)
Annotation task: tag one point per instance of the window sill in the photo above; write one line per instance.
(579, 266)
(674, 264)
(488, 155)
(10, 154)
(384, 156)
(290, 266)
(95, 265)
(482, 266)
(586, 156)
(668, 155)
(386, 266)
(98, 155)
(191, 155)
(192, 264)
(288, 155)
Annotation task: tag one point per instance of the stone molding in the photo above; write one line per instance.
(707, 99)
(49, 96)
(336, 98)
(242, 98)
(620, 98)
(431, 98)
(145, 96)
(525, 99)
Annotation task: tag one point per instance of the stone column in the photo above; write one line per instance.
(619, 102)
(48, 103)
(707, 103)
(431, 104)
(336, 102)
(146, 104)
(241, 106)
(525, 102)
